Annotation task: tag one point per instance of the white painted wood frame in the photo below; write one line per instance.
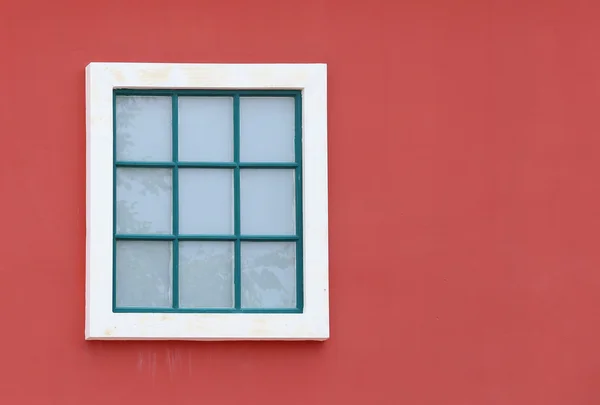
(100, 320)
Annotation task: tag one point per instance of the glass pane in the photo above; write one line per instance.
(206, 201)
(206, 274)
(206, 129)
(144, 274)
(268, 275)
(143, 200)
(144, 128)
(267, 202)
(267, 129)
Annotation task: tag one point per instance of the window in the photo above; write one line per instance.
(207, 202)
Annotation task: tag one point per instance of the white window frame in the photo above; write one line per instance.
(100, 320)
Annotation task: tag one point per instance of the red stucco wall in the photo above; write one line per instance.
(464, 202)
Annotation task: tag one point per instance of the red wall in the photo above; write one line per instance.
(464, 202)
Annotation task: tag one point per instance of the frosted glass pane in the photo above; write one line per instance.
(268, 275)
(144, 200)
(144, 274)
(206, 201)
(144, 128)
(267, 202)
(267, 129)
(206, 274)
(206, 129)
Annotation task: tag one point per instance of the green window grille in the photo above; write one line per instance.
(176, 171)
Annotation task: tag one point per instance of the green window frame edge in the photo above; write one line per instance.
(236, 165)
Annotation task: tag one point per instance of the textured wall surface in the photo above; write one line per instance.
(464, 202)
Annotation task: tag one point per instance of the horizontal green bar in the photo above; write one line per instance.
(207, 237)
(247, 238)
(146, 164)
(144, 237)
(208, 165)
(207, 92)
(268, 165)
(269, 93)
(267, 238)
(210, 310)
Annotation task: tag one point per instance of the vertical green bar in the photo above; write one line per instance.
(114, 222)
(175, 185)
(237, 270)
(299, 223)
